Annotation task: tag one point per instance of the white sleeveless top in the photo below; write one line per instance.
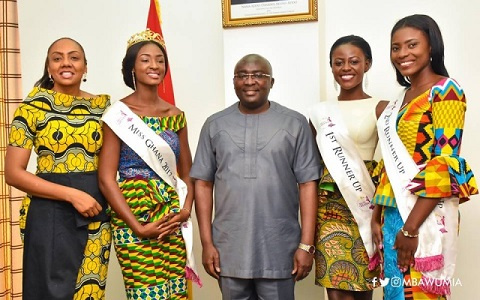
(360, 119)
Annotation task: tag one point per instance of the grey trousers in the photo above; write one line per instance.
(256, 289)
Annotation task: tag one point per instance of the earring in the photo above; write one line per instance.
(163, 86)
(84, 77)
(335, 84)
(51, 78)
(365, 80)
(133, 79)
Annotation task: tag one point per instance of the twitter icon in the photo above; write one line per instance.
(383, 282)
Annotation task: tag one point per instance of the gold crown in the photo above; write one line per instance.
(146, 35)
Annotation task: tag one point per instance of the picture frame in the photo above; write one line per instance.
(257, 12)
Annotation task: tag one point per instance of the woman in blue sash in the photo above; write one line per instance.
(147, 211)
(66, 229)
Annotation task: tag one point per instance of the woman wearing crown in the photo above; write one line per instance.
(145, 142)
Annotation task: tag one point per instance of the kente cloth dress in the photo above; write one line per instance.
(341, 261)
(151, 269)
(431, 128)
(65, 255)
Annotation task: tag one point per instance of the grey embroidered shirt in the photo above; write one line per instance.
(256, 162)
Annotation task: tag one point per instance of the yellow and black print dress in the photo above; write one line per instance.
(65, 255)
(341, 260)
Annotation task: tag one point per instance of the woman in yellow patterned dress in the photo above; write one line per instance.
(65, 228)
(429, 128)
(146, 211)
(341, 259)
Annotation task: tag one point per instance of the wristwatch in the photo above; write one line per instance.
(309, 248)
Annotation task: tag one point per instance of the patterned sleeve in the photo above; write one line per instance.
(181, 121)
(447, 173)
(23, 129)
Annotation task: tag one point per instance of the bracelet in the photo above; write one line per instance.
(407, 234)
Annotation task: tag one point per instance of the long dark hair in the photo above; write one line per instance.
(129, 61)
(357, 42)
(428, 26)
(44, 81)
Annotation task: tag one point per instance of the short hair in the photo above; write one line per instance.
(356, 41)
(253, 57)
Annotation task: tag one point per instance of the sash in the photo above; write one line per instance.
(347, 168)
(436, 253)
(158, 155)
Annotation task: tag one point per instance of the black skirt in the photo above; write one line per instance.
(55, 239)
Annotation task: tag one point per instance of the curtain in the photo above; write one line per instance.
(10, 198)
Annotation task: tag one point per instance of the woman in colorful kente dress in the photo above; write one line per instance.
(346, 135)
(423, 178)
(63, 217)
(146, 142)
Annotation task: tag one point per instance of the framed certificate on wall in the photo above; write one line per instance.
(256, 12)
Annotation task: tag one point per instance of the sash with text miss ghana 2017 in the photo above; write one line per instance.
(345, 165)
(158, 155)
(436, 251)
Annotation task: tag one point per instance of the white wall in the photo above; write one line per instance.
(294, 71)
(202, 56)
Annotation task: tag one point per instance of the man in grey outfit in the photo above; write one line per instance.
(260, 159)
